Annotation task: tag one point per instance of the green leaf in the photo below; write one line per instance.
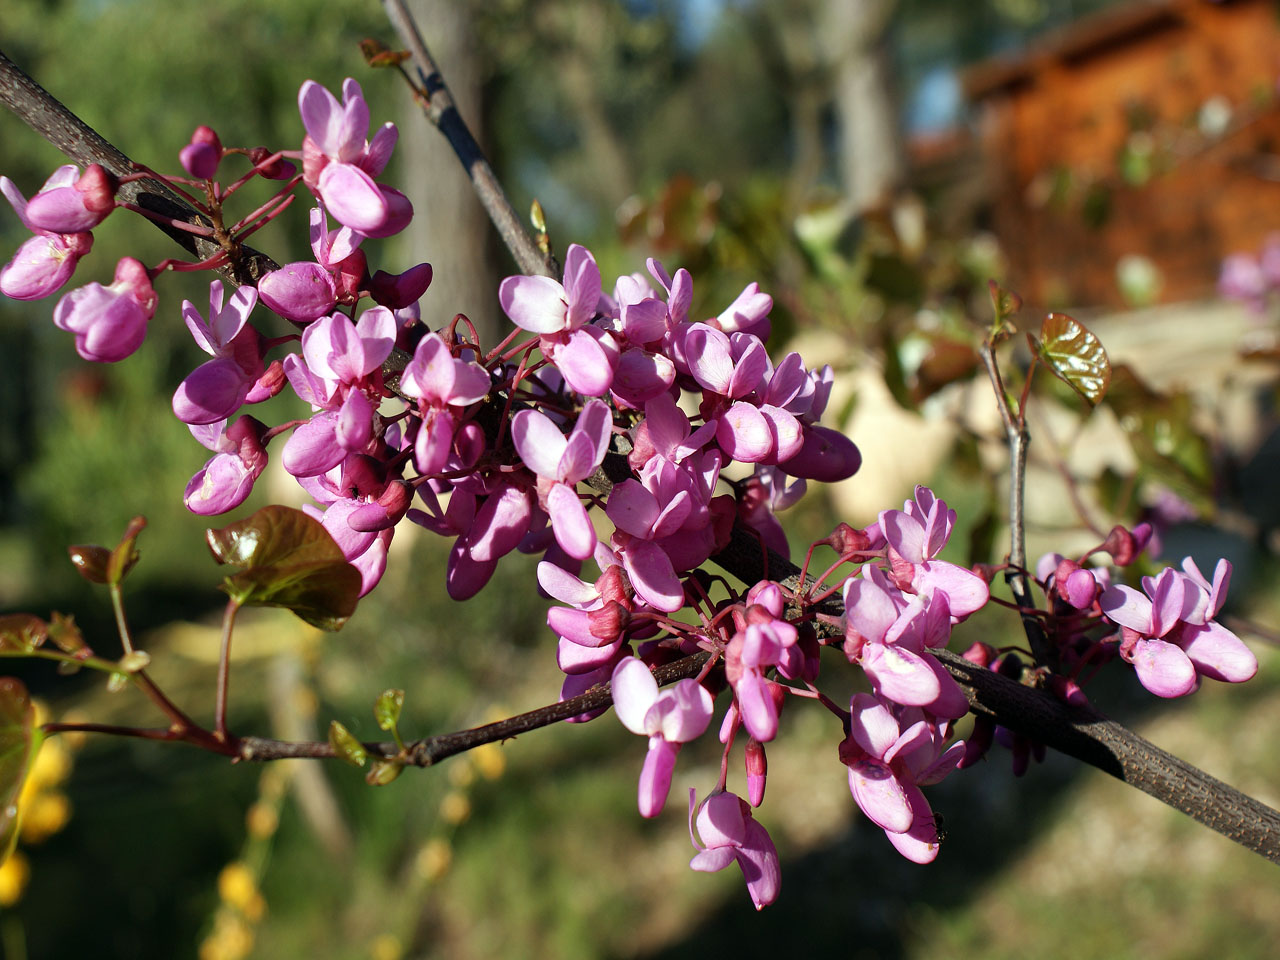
(1074, 355)
(125, 555)
(288, 560)
(383, 772)
(21, 633)
(18, 742)
(346, 746)
(1004, 304)
(386, 709)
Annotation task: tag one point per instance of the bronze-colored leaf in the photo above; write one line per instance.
(1075, 356)
(288, 560)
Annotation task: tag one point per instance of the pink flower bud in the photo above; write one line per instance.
(201, 156)
(757, 771)
(109, 322)
(43, 265)
(280, 169)
(75, 208)
(300, 292)
(399, 290)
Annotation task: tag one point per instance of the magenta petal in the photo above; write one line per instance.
(880, 795)
(1127, 607)
(655, 776)
(634, 692)
(501, 523)
(873, 727)
(353, 198)
(536, 304)
(632, 508)
(713, 859)
(313, 448)
(900, 675)
(564, 586)
(298, 291)
(574, 659)
(758, 860)
(951, 703)
(211, 392)
(905, 534)
(1218, 653)
(645, 321)
(41, 266)
(759, 714)
(570, 523)
(539, 442)
(827, 456)
(690, 713)
(721, 821)
(785, 430)
(919, 844)
(1163, 668)
(652, 575)
(744, 434)
(355, 422)
(220, 485)
(710, 362)
(965, 591)
(433, 443)
(584, 364)
(587, 443)
(581, 285)
(466, 576)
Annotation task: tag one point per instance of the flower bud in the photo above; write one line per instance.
(399, 290)
(43, 265)
(757, 770)
(278, 169)
(75, 208)
(109, 323)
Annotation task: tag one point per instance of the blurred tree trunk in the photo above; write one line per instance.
(871, 157)
(451, 230)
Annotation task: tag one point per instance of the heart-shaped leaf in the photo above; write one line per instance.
(17, 747)
(288, 560)
(1075, 356)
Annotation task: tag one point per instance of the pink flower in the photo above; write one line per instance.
(586, 356)
(44, 263)
(225, 481)
(887, 766)
(217, 388)
(1169, 634)
(109, 323)
(201, 156)
(440, 381)
(728, 832)
(339, 164)
(668, 718)
(73, 204)
(561, 463)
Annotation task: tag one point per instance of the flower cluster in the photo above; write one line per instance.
(602, 436)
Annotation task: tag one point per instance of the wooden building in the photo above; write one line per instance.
(1152, 129)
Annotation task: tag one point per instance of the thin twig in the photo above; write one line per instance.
(1015, 429)
(47, 116)
(441, 111)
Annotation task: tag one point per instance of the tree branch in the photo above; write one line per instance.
(441, 111)
(44, 114)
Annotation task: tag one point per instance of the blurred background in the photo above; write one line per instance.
(871, 165)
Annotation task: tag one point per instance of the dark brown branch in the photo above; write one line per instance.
(44, 114)
(441, 111)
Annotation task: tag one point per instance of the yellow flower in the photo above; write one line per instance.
(455, 807)
(14, 874)
(237, 886)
